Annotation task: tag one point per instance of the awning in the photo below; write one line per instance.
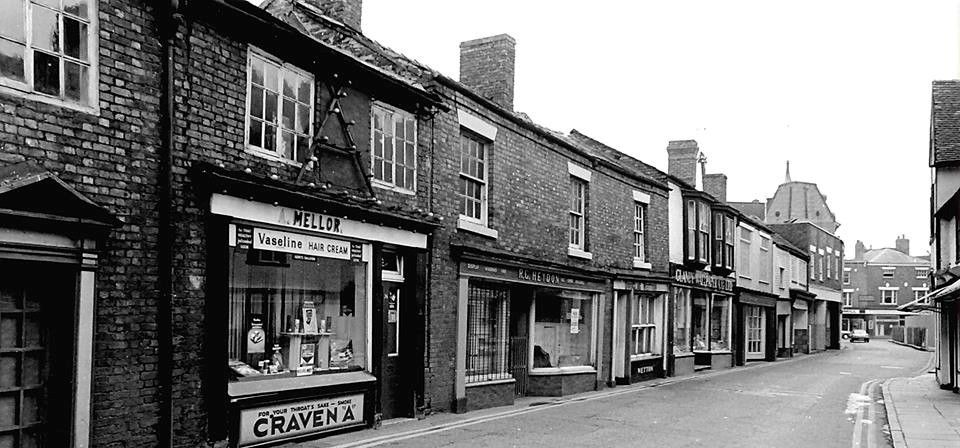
(800, 304)
(924, 303)
(858, 312)
(947, 293)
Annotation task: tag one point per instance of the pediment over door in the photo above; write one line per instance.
(31, 194)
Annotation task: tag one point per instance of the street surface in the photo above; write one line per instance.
(811, 401)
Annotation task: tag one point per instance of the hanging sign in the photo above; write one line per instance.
(259, 425)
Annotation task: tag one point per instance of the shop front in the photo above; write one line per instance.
(784, 328)
(800, 316)
(639, 330)
(702, 312)
(525, 330)
(316, 307)
(756, 326)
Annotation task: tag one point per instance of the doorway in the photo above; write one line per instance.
(756, 327)
(397, 382)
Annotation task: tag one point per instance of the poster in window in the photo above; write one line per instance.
(256, 336)
(574, 320)
(309, 317)
(391, 294)
(307, 359)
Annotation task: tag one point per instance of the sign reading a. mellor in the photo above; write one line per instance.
(264, 424)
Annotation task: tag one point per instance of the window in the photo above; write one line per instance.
(682, 340)
(49, 48)
(392, 275)
(279, 108)
(813, 264)
(802, 272)
(820, 267)
(291, 315)
(888, 296)
(918, 293)
(730, 229)
(829, 261)
(711, 322)
(563, 329)
(473, 178)
(639, 253)
(724, 229)
(704, 237)
(922, 273)
(746, 237)
(578, 202)
(698, 220)
(846, 276)
(643, 326)
(765, 260)
(837, 264)
(888, 271)
(488, 337)
(691, 230)
(394, 148)
(781, 277)
(847, 298)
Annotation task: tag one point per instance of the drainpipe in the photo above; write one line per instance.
(169, 22)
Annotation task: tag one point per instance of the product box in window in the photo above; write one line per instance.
(341, 353)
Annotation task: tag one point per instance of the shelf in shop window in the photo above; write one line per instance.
(324, 333)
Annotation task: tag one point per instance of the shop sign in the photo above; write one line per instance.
(259, 425)
(702, 279)
(525, 275)
(296, 243)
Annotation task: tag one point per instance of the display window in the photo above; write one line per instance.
(297, 315)
(563, 324)
(711, 322)
(682, 334)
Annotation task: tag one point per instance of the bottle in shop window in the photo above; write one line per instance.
(277, 359)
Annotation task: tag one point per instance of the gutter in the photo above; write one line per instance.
(170, 20)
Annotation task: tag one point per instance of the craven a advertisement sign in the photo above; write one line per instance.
(264, 424)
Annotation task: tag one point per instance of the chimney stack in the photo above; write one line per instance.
(859, 250)
(903, 244)
(347, 12)
(716, 185)
(487, 67)
(683, 156)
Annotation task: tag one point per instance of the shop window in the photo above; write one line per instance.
(279, 119)
(578, 211)
(682, 336)
(473, 178)
(643, 327)
(488, 334)
(48, 50)
(888, 296)
(295, 315)
(394, 149)
(563, 329)
(391, 266)
(711, 322)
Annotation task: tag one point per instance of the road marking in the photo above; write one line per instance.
(862, 405)
(892, 367)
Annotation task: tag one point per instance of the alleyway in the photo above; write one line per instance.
(810, 401)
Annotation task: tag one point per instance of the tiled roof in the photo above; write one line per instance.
(755, 208)
(891, 256)
(945, 123)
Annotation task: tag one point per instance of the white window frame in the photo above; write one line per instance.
(847, 274)
(577, 212)
(383, 108)
(639, 235)
(395, 277)
(467, 222)
(743, 269)
(847, 295)
(921, 273)
(765, 259)
(26, 88)
(646, 329)
(277, 155)
(893, 295)
(918, 293)
(892, 270)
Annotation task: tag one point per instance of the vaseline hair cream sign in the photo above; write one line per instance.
(259, 425)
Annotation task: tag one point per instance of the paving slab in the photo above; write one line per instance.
(921, 414)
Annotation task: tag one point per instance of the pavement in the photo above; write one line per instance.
(829, 399)
(922, 415)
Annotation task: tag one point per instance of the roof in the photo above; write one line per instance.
(945, 123)
(788, 246)
(800, 201)
(598, 149)
(887, 255)
(756, 209)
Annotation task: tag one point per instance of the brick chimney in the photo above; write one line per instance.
(903, 244)
(859, 250)
(716, 185)
(683, 157)
(487, 67)
(347, 12)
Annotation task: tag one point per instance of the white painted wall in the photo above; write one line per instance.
(675, 224)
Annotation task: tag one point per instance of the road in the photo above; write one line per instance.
(809, 401)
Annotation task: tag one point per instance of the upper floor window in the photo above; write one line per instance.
(766, 267)
(847, 298)
(578, 204)
(639, 252)
(918, 293)
(698, 219)
(704, 237)
(394, 148)
(48, 50)
(812, 264)
(724, 229)
(691, 229)
(888, 296)
(820, 267)
(888, 271)
(829, 261)
(279, 108)
(922, 273)
(473, 178)
(746, 237)
(846, 276)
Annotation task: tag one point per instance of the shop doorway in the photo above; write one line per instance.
(397, 380)
(36, 354)
(755, 333)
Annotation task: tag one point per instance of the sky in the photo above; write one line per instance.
(841, 89)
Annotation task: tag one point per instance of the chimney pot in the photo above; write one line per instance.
(903, 244)
(487, 66)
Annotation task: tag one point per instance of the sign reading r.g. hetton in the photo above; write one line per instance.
(268, 423)
(703, 279)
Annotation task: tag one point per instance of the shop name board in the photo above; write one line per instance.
(700, 278)
(527, 276)
(294, 243)
(313, 221)
(259, 425)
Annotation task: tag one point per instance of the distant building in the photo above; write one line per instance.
(876, 282)
(794, 201)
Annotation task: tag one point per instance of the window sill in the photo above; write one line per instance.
(287, 383)
(40, 98)
(473, 227)
(480, 382)
(640, 264)
(745, 276)
(715, 352)
(269, 156)
(644, 357)
(391, 187)
(572, 370)
(574, 252)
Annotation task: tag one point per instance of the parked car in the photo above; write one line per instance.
(844, 334)
(859, 335)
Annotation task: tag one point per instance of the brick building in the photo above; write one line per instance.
(876, 282)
